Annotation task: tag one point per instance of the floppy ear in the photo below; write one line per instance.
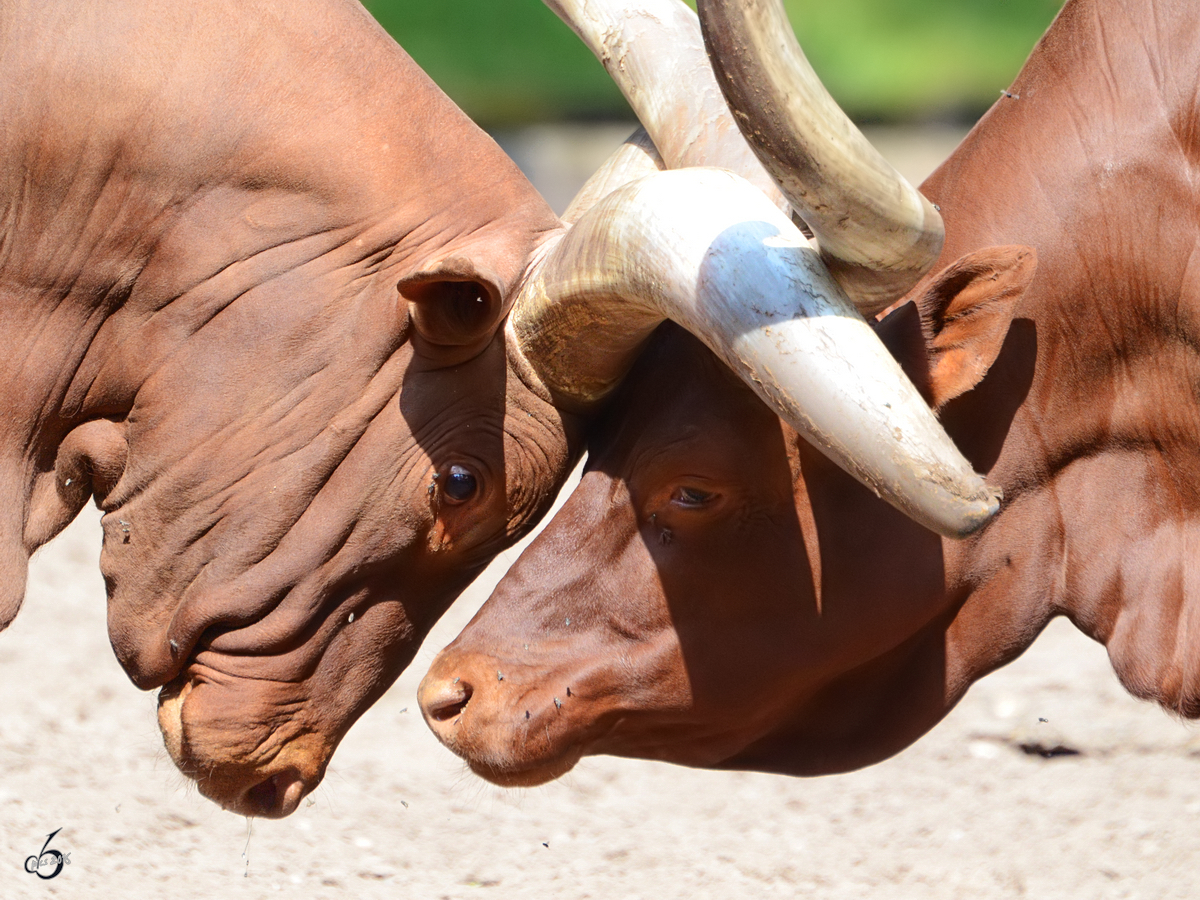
(949, 335)
(455, 306)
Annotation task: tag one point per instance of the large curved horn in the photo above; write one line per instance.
(634, 159)
(654, 52)
(708, 250)
(877, 233)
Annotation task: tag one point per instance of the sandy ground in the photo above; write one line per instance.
(965, 813)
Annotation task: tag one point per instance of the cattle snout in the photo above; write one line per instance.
(223, 738)
(510, 727)
(443, 702)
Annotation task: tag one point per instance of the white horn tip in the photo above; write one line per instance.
(958, 517)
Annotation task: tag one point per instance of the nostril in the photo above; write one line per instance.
(276, 797)
(449, 702)
(261, 797)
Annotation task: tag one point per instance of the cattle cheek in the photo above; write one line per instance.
(363, 659)
(733, 665)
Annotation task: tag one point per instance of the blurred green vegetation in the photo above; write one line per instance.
(507, 62)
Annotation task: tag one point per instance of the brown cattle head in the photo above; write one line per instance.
(716, 594)
(319, 351)
(683, 605)
(255, 309)
(688, 457)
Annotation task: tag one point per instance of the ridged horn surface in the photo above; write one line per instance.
(876, 232)
(654, 52)
(634, 159)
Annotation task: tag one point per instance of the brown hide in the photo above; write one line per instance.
(717, 594)
(205, 211)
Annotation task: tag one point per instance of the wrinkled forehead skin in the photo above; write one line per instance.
(204, 215)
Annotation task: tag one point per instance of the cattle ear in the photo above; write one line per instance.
(965, 315)
(455, 307)
(901, 332)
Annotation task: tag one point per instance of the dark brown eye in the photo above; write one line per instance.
(460, 485)
(691, 498)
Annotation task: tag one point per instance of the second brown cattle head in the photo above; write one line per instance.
(713, 576)
(715, 593)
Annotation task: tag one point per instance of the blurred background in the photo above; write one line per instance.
(915, 74)
(509, 63)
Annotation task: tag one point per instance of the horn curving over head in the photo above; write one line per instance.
(654, 52)
(636, 158)
(708, 250)
(878, 235)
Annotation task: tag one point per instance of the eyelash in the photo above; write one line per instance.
(691, 498)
